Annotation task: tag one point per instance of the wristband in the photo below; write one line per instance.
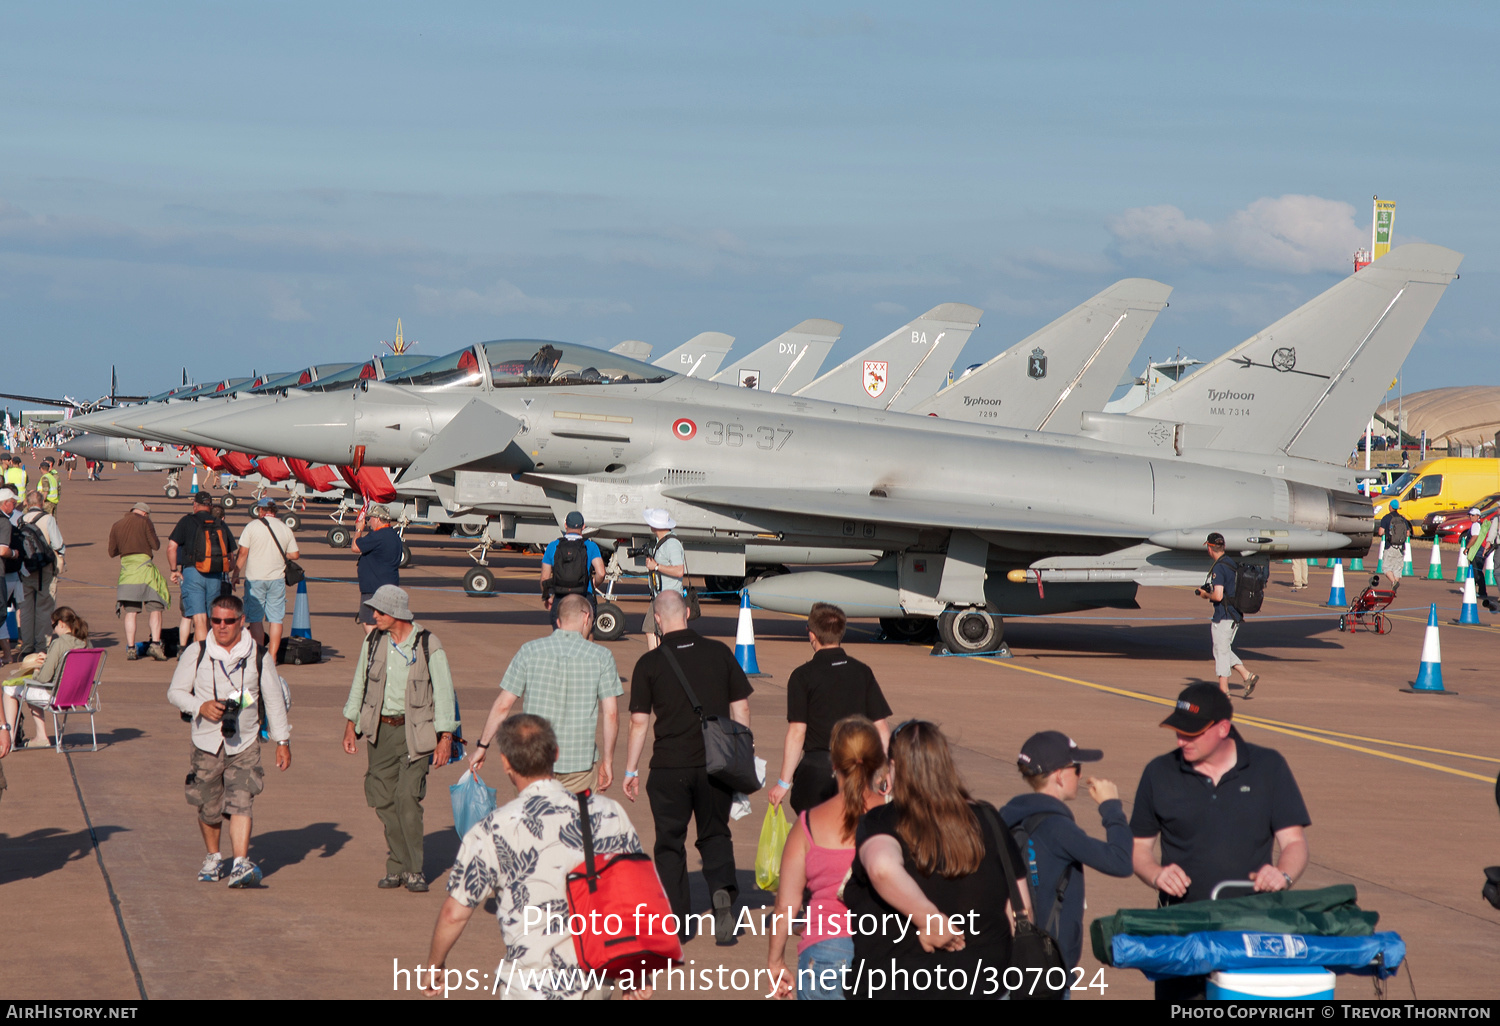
(1289, 880)
(480, 744)
(783, 784)
(631, 773)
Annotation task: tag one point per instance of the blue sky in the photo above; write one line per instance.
(270, 185)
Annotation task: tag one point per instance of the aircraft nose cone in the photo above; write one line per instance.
(90, 447)
(306, 428)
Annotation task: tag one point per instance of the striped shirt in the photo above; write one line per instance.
(563, 678)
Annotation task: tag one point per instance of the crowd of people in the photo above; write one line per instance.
(884, 828)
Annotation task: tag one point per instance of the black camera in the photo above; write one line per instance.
(643, 552)
(230, 724)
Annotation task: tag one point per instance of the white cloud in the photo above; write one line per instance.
(504, 298)
(1294, 234)
(285, 305)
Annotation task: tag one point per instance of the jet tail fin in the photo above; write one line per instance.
(699, 356)
(1307, 385)
(633, 348)
(787, 362)
(904, 367)
(1047, 380)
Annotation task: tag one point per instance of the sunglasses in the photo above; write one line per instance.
(223, 622)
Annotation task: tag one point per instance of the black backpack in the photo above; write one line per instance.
(1021, 833)
(1249, 585)
(570, 567)
(1398, 532)
(28, 539)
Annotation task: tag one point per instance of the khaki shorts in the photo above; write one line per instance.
(220, 783)
(583, 780)
(1223, 634)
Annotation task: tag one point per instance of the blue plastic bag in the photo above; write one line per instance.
(472, 801)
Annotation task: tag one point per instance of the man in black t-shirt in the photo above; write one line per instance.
(819, 693)
(679, 786)
(1217, 804)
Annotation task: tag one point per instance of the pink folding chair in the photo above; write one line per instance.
(77, 691)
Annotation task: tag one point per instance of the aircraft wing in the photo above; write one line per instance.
(914, 510)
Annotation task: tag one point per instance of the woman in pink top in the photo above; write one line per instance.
(817, 857)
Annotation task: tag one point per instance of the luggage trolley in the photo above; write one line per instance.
(1367, 609)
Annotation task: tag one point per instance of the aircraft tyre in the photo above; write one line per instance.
(291, 520)
(405, 556)
(969, 631)
(172, 491)
(906, 628)
(760, 573)
(339, 536)
(479, 581)
(609, 622)
(229, 500)
(729, 586)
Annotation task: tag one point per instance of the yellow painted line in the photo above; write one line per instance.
(1249, 722)
(1259, 722)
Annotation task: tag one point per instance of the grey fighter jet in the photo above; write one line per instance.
(788, 362)
(978, 520)
(903, 368)
(1048, 379)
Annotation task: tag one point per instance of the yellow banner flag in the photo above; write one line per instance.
(1385, 219)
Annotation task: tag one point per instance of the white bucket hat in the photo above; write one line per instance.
(391, 601)
(659, 520)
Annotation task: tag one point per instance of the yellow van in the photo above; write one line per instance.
(1441, 484)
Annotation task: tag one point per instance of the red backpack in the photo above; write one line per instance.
(624, 896)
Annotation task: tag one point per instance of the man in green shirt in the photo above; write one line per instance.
(402, 704)
(572, 684)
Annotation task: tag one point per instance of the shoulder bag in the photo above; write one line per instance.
(294, 572)
(728, 747)
(1032, 950)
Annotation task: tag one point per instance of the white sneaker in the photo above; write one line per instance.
(244, 874)
(213, 866)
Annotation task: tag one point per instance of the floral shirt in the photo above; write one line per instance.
(521, 855)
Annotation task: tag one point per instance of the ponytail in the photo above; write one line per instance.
(858, 757)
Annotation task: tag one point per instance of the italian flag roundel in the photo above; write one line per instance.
(684, 428)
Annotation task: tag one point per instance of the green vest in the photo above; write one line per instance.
(421, 734)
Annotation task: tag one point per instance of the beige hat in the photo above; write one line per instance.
(378, 512)
(142, 507)
(391, 601)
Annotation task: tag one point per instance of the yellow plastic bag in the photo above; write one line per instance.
(774, 831)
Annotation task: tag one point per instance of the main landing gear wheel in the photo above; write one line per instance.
(405, 556)
(230, 501)
(728, 587)
(479, 581)
(609, 622)
(291, 520)
(969, 631)
(339, 536)
(172, 492)
(906, 628)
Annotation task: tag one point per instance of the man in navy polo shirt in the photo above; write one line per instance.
(1217, 804)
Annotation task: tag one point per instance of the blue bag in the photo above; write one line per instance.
(1196, 954)
(472, 801)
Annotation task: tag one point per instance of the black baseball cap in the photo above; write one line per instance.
(1052, 750)
(1214, 538)
(574, 520)
(1198, 708)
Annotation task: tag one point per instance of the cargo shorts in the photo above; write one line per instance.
(220, 783)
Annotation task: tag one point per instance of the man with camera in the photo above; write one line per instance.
(667, 564)
(218, 686)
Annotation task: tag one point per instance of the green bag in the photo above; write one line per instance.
(774, 830)
(1324, 912)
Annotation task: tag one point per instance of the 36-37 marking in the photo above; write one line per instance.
(717, 432)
